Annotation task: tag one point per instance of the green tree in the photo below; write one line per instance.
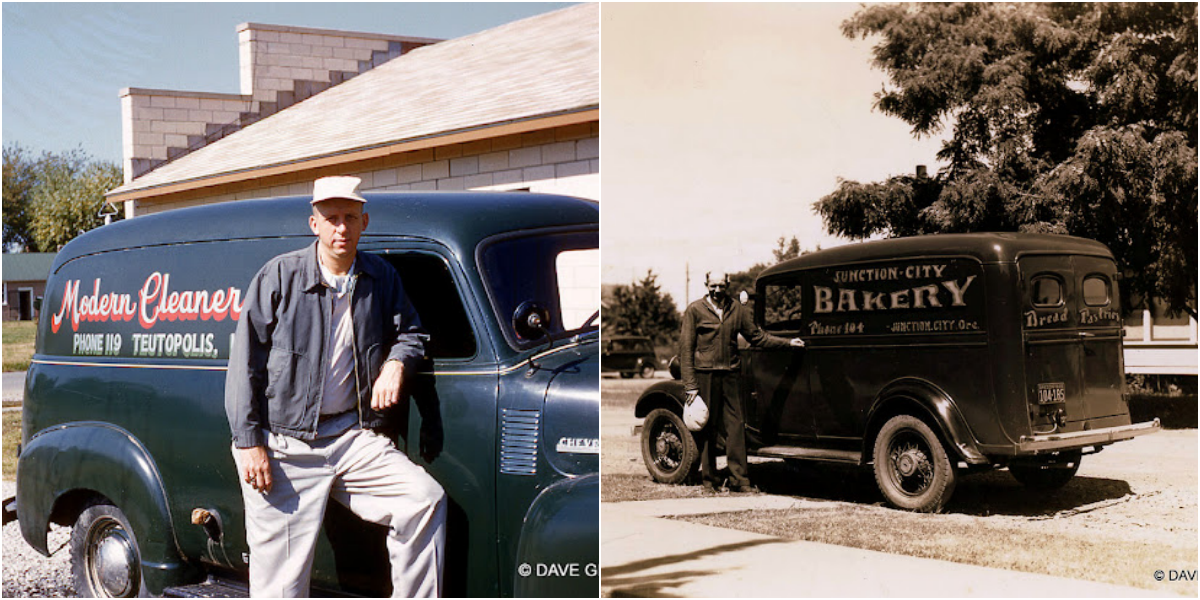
(1063, 118)
(20, 176)
(785, 249)
(642, 308)
(50, 200)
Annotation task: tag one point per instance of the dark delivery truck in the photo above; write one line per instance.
(927, 358)
(125, 437)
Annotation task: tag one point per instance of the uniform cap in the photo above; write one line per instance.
(342, 186)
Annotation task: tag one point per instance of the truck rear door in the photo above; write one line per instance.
(1072, 331)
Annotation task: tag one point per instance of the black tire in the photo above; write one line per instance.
(668, 448)
(911, 466)
(647, 370)
(626, 375)
(105, 560)
(1049, 475)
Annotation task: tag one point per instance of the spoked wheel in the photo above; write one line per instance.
(668, 448)
(105, 561)
(911, 466)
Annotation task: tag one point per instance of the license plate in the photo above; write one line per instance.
(1051, 393)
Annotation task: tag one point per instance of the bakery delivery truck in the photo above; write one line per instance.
(928, 358)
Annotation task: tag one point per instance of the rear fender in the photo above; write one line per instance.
(65, 466)
(558, 554)
(908, 396)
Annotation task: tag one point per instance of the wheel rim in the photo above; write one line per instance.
(667, 446)
(910, 464)
(112, 567)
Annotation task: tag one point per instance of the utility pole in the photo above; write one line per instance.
(687, 283)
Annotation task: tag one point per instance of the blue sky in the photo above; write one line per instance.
(64, 63)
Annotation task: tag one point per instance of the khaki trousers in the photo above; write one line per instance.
(365, 472)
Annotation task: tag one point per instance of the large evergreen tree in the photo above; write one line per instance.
(642, 308)
(1062, 118)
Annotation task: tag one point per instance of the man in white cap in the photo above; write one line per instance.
(709, 365)
(326, 338)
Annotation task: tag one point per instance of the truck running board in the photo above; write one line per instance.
(821, 454)
(212, 588)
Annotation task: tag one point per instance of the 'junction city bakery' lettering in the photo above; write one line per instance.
(948, 292)
(155, 301)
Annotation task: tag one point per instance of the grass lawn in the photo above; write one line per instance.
(12, 437)
(1109, 560)
(18, 344)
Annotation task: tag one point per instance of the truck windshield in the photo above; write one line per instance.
(558, 270)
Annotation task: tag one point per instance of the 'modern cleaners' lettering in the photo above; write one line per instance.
(155, 301)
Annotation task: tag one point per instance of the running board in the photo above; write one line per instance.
(212, 588)
(839, 456)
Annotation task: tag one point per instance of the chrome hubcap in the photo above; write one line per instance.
(113, 565)
(911, 467)
(668, 448)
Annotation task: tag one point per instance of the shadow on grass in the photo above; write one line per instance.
(627, 580)
(983, 494)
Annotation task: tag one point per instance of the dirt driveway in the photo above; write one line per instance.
(1135, 503)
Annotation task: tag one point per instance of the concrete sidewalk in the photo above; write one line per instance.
(645, 555)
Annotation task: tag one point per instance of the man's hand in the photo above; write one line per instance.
(691, 395)
(386, 392)
(431, 441)
(256, 468)
(796, 342)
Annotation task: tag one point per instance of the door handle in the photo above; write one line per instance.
(1084, 334)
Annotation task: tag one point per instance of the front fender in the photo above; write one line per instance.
(934, 401)
(664, 394)
(558, 554)
(98, 459)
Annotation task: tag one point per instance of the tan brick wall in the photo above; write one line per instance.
(154, 120)
(278, 67)
(566, 159)
(274, 57)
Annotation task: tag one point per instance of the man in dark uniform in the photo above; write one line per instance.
(709, 363)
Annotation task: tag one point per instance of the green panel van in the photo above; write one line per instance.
(125, 437)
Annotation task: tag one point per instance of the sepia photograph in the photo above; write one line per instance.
(899, 300)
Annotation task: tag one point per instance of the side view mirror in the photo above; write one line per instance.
(531, 321)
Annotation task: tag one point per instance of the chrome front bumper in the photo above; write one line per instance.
(1079, 439)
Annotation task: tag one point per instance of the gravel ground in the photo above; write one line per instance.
(28, 574)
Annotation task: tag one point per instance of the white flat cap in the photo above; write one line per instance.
(328, 188)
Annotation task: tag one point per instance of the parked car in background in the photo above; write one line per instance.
(928, 358)
(629, 355)
(125, 437)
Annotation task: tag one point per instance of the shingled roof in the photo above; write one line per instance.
(538, 67)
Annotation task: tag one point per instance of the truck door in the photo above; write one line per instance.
(778, 408)
(1100, 334)
(1072, 330)
(459, 384)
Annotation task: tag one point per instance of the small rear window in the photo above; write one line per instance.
(1096, 290)
(782, 307)
(1047, 291)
